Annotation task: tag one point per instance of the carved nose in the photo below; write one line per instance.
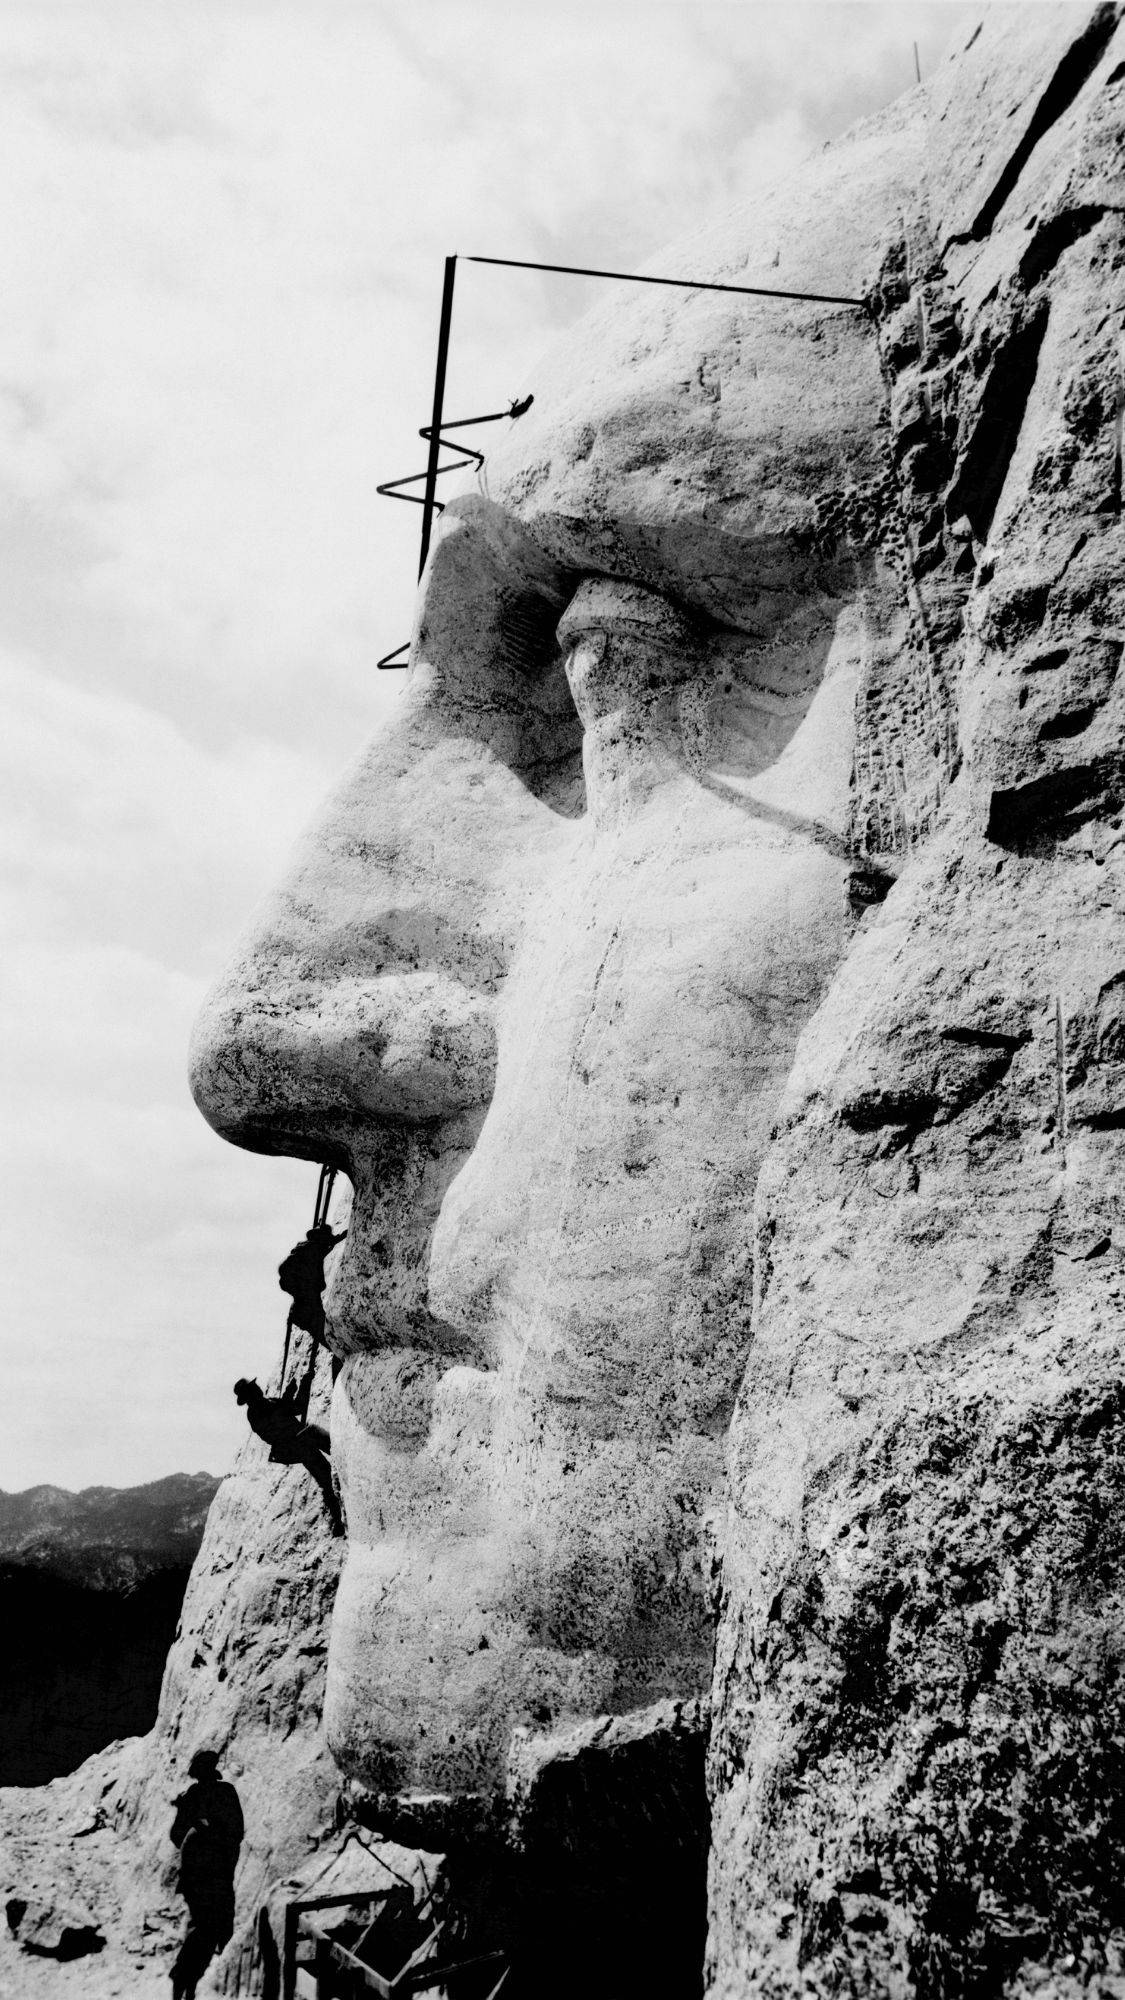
(299, 1070)
(365, 993)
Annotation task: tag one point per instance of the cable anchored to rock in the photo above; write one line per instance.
(687, 284)
(434, 431)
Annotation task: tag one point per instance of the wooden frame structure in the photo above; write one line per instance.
(316, 1966)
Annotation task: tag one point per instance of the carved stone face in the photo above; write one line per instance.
(535, 982)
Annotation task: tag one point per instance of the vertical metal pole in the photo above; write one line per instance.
(917, 65)
(439, 400)
(289, 1952)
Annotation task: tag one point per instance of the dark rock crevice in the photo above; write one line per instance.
(1075, 69)
(983, 466)
(1057, 235)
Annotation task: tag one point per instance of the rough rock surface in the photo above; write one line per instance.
(245, 1677)
(49, 1930)
(918, 1761)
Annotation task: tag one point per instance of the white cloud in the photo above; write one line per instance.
(114, 826)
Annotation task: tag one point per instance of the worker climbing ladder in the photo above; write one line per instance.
(282, 1421)
(301, 1274)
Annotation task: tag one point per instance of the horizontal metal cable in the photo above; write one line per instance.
(687, 284)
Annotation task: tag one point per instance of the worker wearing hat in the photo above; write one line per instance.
(208, 1830)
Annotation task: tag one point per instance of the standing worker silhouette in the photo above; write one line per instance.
(208, 1831)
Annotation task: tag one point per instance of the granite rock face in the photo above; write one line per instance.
(536, 978)
(50, 1932)
(245, 1678)
(919, 1745)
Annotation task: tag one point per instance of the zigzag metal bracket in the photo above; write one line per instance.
(466, 455)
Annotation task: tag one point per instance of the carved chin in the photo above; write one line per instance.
(431, 1668)
(503, 1572)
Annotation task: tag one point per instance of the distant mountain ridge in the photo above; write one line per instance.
(107, 1537)
(91, 1585)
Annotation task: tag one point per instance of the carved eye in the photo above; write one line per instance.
(591, 640)
(623, 644)
(641, 618)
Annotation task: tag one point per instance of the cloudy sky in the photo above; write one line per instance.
(221, 247)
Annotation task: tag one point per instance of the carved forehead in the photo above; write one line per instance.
(707, 444)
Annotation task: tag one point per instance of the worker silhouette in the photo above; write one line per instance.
(282, 1422)
(208, 1830)
(301, 1274)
